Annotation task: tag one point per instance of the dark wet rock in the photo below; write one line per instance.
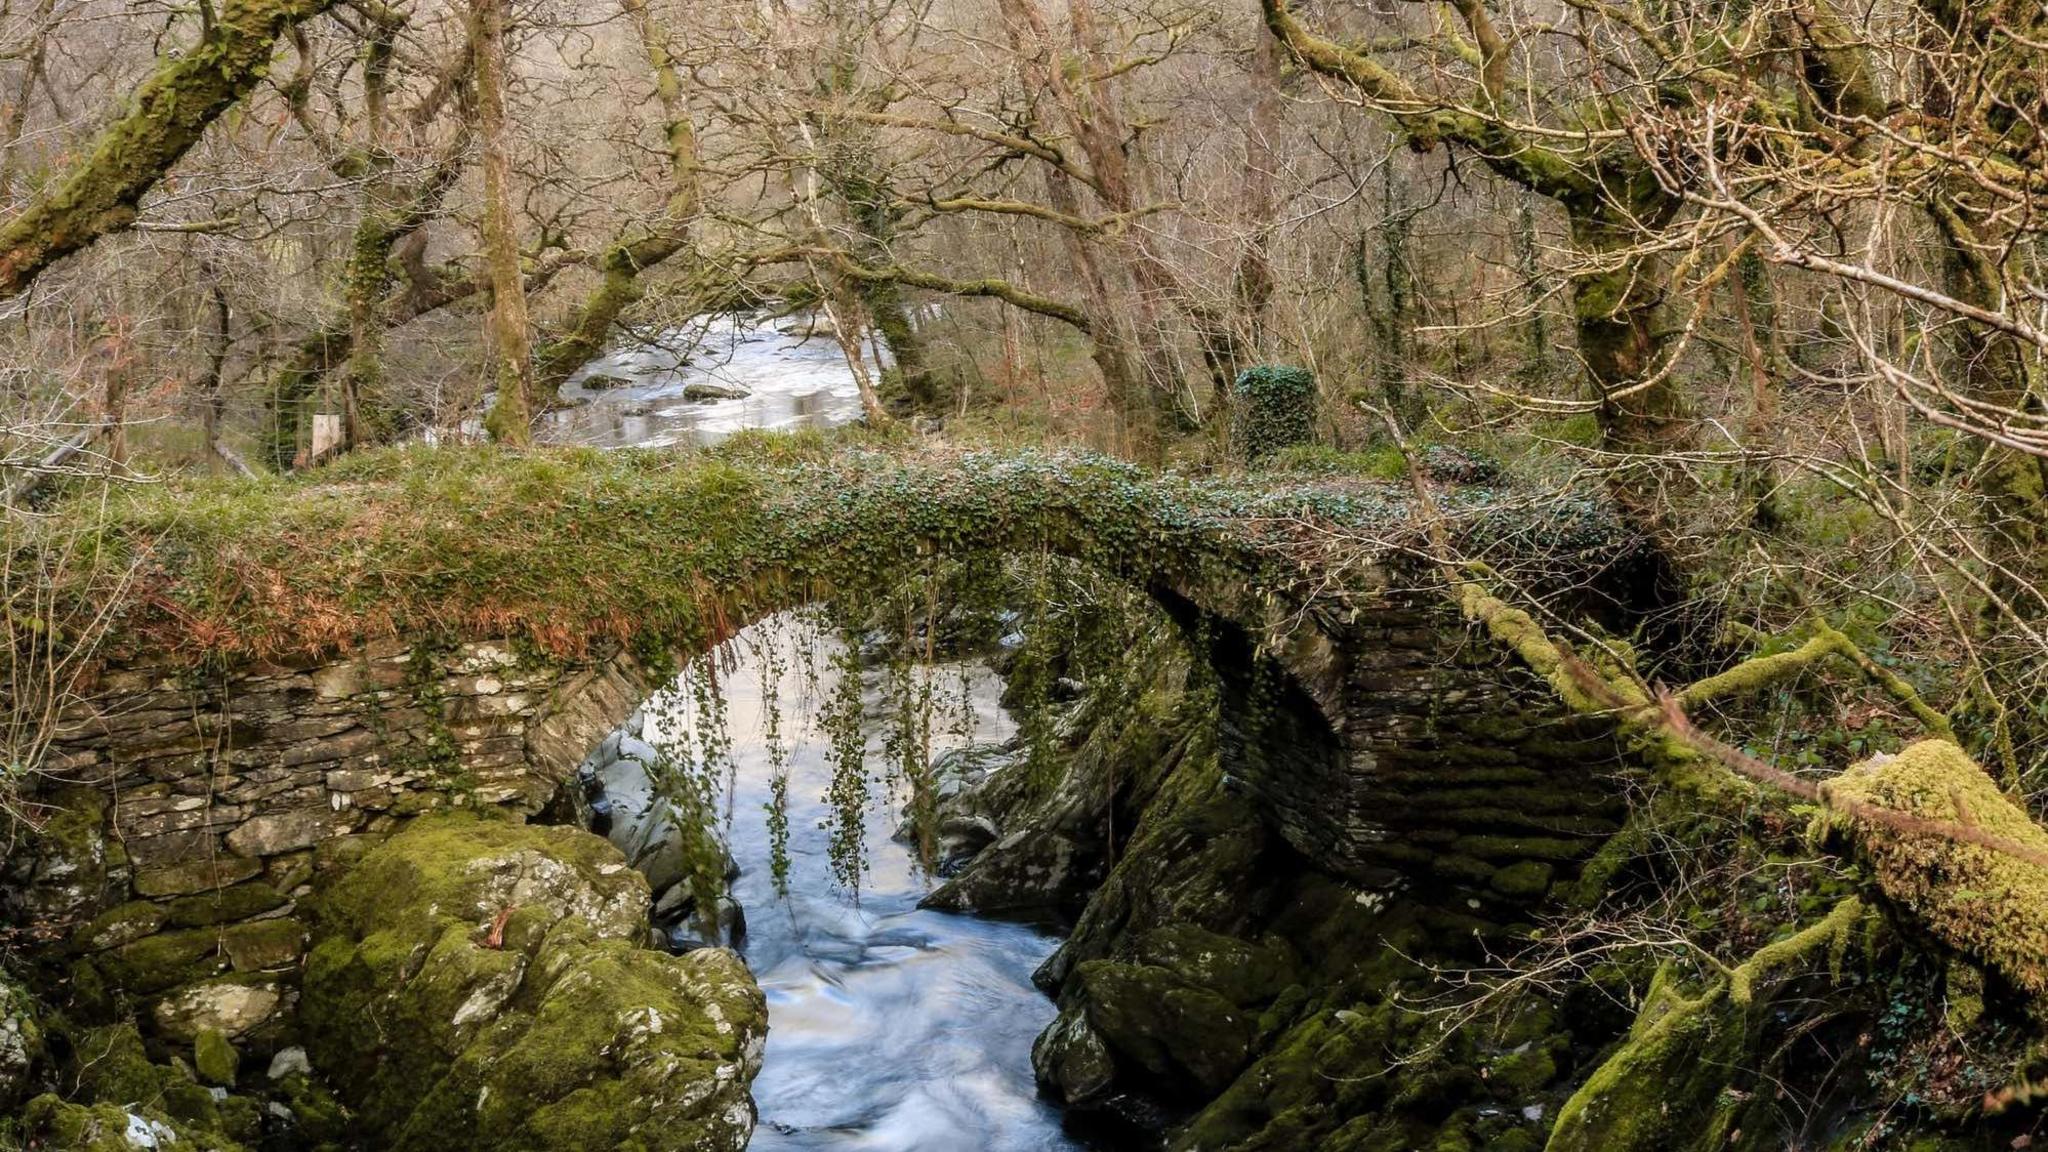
(706, 391)
(1179, 1018)
(727, 930)
(601, 381)
(1054, 844)
(602, 812)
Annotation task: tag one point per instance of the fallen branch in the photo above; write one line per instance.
(49, 465)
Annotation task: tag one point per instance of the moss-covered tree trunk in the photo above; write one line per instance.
(370, 308)
(1386, 287)
(368, 276)
(166, 117)
(1617, 294)
(1615, 205)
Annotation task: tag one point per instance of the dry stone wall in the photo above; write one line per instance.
(196, 806)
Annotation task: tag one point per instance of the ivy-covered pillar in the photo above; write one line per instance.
(1276, 409)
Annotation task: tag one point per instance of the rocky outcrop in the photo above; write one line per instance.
(1016, 841)
(708, 391)
(617, 798)
(21, 1042)
(477, 984)
(1224, 990)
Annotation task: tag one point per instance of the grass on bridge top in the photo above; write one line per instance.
(561, 547)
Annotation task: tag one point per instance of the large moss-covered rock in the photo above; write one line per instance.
(1176, 1038)
(478, 985)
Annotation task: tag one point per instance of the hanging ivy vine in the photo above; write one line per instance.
(774, 665)
(851, 788)
(687, 774)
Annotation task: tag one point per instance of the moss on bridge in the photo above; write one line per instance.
(565, 547)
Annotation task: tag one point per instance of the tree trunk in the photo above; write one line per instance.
(1993, 369)
(17, 111)
(511, 416)
(1093, 116)
(1617, 295)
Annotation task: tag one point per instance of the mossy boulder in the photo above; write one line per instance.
(1176, 1039)
(475, 984)
(110, 1067)
(55, 1125)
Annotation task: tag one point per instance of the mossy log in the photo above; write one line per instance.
(1979, 898)
(1950, 850)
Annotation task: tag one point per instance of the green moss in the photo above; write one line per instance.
(121, 924)
(563, 1032)
(224, 905)
(1180, 1039)
(318, 1114)
(1664, 1087)
(1529, 878)
(1988, 903)
(1384, 463)
(165, 960)
(215, 1058)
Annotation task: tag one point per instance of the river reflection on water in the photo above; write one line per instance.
(891, 1029)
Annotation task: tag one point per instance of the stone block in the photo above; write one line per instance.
(230, 1007)
(264, 945)
(224, 905)
(274, 833)
(183, 877)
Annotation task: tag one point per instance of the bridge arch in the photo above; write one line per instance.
(318, 659)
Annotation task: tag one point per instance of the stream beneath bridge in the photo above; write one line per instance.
(891, 1028)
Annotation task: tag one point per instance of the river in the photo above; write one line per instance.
(785, 376)
(890, 1028)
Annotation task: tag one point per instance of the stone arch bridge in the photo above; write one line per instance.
(308, 663)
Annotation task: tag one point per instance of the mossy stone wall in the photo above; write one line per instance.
(199, 807)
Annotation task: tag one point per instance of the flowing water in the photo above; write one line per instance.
(782, 375)
(890, 1028)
